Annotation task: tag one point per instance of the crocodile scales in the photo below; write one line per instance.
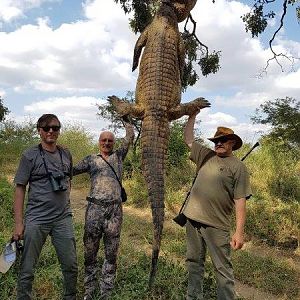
(158, 97)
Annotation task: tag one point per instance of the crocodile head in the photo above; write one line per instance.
(183, 8)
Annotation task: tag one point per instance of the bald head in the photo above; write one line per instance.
(106, 142)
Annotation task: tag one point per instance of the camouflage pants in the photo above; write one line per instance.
(105, 221)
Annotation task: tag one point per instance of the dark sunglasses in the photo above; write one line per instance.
(221, 140)
(54, 128)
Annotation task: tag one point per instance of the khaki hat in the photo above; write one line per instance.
(8, 256)
(229, 133)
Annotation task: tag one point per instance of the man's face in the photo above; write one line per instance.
(106, 143)
(50, 132)
(223, 146)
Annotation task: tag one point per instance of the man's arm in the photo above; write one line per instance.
(19, 197)
(129, 132)
(82, 166)
(128, 140)
(188, 132)
(237, 240)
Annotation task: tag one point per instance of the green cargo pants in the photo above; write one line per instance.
(218, 243)
(63, 240)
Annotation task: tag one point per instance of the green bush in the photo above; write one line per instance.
(14, 139)
(274, 172)
(6, 203)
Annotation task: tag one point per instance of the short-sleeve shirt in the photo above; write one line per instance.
(104, 184)
(44, 205)
(219, 182)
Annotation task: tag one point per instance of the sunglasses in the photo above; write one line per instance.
(54, 128)
(221, 140)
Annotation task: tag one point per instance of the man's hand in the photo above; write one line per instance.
(18, 232)
(237, 241)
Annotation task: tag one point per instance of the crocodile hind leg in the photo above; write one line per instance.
(187, 108)
(124, 108)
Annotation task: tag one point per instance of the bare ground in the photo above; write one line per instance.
(247, 292)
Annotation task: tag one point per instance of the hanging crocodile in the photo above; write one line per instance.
(158, 96)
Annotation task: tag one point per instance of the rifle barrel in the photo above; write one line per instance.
(253, 147)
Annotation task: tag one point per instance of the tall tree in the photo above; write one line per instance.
(256, 21)
(284, 117)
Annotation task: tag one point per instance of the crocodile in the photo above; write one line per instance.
(157, 102)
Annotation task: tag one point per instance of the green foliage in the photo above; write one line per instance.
(273, 212)
(194, 52)
(3, 110)
(143, 12)
(6, 196)
(132, 162)
(14, 139)
(12, 132)
(177, 151)
(255, 21)
(279, 170)
(136, 189)
(284, 117)
(210, 63)
(79, 141)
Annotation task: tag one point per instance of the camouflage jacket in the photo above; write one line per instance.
(104, 184)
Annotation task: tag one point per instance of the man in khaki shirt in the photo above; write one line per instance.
(222, 186)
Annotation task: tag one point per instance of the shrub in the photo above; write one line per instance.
(6, 203)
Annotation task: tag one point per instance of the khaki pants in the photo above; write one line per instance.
(217, 242)
(63, 240)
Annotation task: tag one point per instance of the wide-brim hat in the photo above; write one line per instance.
(229, 133)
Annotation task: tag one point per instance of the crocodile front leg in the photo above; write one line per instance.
(187, 108)
(124, 108)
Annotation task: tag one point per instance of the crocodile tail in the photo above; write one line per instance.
(154, 141)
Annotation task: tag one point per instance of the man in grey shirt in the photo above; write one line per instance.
(46, 169)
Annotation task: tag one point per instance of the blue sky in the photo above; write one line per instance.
(64, 56)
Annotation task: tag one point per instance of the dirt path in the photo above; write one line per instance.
(247, 292)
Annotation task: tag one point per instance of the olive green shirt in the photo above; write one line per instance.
(219, 181)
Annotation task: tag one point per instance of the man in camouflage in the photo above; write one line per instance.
(104, 210)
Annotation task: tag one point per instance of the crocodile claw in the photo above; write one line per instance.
(120, 105)
(202, 103)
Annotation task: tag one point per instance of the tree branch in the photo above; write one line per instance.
(276, 55)
(194, 32)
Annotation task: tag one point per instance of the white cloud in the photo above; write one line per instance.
(70, 110)
(80, 56)
(13, 9)
(64, 104)
(2, 93)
